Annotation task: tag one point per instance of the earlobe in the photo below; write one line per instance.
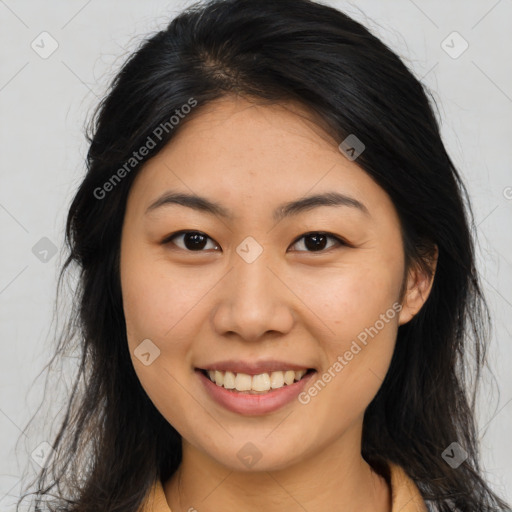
(419, 285)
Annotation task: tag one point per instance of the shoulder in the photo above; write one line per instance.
(155, 500)
(405, 495)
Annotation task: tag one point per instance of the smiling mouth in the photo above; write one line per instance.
(255, 384)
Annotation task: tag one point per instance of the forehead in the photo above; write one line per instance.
(246, 153)
(244, 127)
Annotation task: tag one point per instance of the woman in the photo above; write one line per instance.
(277, 280)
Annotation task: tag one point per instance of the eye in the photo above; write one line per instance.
(196, 241)
(316, 241)
(191, 240)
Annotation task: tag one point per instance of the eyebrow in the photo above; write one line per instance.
(288, 209)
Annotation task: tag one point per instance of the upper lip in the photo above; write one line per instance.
(254, 367)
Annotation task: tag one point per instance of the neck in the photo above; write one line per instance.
(336, 478)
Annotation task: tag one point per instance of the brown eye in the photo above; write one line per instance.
(317, 241)
(196, 241)
(191, 241)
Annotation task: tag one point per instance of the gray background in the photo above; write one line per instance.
(44, 103)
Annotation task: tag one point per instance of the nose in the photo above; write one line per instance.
(254, 301)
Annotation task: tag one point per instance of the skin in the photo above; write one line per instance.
(292, 303)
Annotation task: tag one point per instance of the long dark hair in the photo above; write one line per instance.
(113, 443)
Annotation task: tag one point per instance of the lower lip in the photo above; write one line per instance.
(254, 404)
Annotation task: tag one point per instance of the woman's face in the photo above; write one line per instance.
(240, 287)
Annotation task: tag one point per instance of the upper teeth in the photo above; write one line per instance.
(261, 382)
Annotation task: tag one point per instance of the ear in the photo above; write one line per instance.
(419, 284)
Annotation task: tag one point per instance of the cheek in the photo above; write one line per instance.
(360, 306)
(354, 297)
(155, 308)
(156, 304)
(358, 356)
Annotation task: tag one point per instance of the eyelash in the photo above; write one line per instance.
(339, 240)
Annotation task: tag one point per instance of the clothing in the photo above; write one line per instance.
(405, 495)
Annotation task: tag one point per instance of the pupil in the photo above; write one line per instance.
(319, 241)
(194, 241)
